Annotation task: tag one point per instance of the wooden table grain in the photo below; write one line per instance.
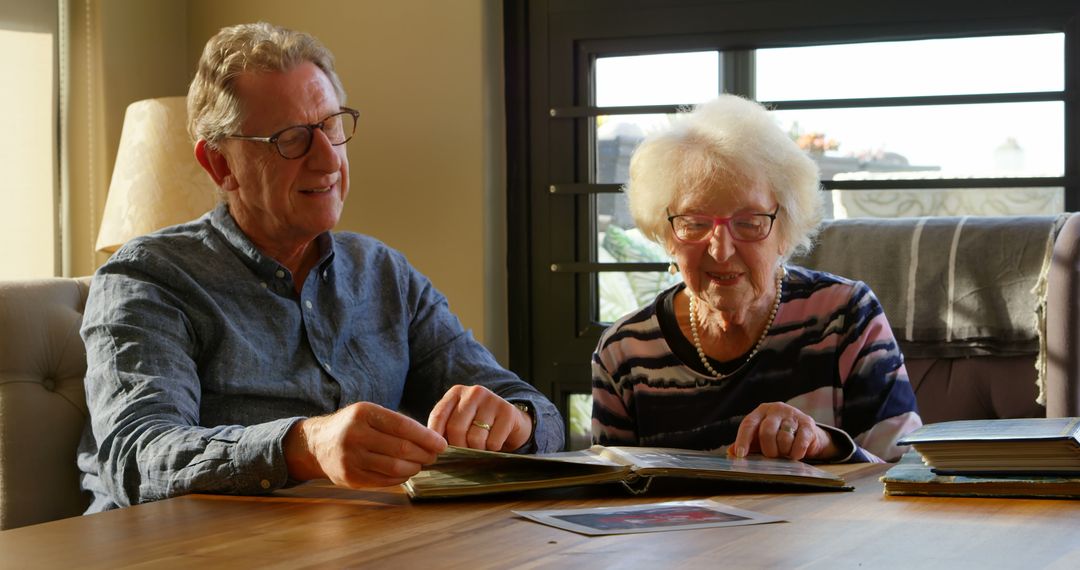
(318, 525)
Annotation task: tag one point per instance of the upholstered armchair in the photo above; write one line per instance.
(42, 401)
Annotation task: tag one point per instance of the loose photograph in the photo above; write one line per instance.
(654, 517)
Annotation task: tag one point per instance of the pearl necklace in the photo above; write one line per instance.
(757, 345)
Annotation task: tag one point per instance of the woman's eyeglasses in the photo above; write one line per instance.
(694, 228)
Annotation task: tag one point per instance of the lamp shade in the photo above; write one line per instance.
(156, 181)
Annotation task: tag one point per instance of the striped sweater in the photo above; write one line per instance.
(830, 352)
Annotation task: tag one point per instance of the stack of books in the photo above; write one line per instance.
(1031, 457)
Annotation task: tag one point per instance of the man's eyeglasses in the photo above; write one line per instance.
(692, 228)
(295, 141)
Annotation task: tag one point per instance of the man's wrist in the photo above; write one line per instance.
(299, 459)
(525, 407)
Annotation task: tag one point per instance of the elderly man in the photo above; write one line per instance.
(252, 348)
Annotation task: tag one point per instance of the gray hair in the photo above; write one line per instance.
(214, 111)
(732, 140)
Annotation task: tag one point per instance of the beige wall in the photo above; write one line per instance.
(427, 78)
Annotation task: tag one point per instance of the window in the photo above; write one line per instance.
(29, 220)
(934, 112)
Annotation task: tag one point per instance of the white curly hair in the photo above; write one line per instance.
(731, 140)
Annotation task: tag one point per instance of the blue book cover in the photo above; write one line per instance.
(913, 477)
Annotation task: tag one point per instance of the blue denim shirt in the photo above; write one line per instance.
(201, 355)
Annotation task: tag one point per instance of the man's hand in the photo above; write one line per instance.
(473, 416)
(362, 445)
(777, 429)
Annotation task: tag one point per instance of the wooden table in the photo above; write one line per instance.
(318, 525)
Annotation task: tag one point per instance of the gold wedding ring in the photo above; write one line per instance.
(791, 428)
(481, 425)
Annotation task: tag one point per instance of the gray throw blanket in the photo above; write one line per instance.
(951, 287)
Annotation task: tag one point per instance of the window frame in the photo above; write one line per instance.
(550, 47)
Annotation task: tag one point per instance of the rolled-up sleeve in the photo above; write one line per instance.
(143, 392)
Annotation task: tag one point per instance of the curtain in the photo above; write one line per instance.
(83, 169)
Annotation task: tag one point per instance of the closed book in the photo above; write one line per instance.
(913, 477)
(1020, 446)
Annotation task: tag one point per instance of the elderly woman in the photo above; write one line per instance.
(747, 353)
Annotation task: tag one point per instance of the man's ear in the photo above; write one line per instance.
(216, 165)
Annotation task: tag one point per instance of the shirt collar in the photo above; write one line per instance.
(262, 264)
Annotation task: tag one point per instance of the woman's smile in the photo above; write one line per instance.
(724, 279)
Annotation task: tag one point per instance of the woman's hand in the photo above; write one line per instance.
(473, 416)
(777, 429)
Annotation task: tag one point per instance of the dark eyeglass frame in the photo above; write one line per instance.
(727, 224)
(273, 139)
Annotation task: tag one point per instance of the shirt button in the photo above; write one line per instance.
(264, 484)
(280, 274)
(307, 304)
(328, 368)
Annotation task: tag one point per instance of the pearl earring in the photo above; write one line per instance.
(672, 268)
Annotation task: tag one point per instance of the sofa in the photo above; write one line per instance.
(967, 375)
(985, 309)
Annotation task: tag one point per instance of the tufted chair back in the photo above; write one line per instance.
(42, 401)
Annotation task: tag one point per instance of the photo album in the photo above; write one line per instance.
(462, 472)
